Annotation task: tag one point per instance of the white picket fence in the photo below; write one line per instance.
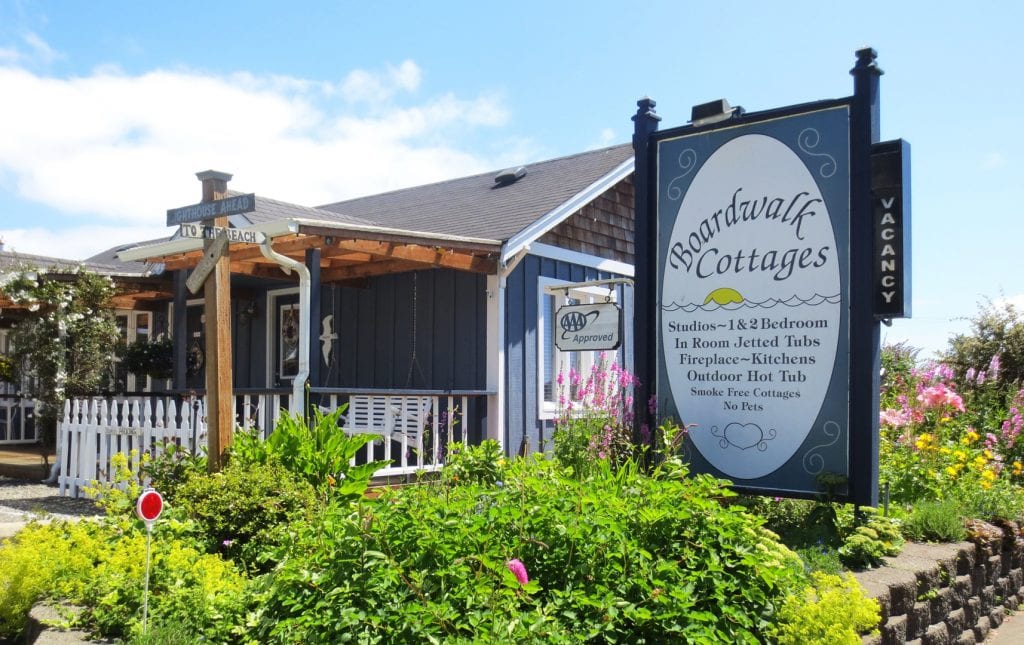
(92, 431)
(411, 431)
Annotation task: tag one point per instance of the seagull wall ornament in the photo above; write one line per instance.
(327, 337)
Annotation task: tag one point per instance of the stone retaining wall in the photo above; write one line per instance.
(935, 594)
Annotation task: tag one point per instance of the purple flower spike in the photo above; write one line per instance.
(518, 569)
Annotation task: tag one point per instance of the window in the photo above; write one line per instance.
(552, 361)
(134, 326)
(288, 341)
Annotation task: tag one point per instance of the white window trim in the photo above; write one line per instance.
(547, 410)
(271, 306)
(131, 335)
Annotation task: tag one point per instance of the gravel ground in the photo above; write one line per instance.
(22, 500)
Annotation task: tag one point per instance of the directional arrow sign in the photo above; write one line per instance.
(211, 210)
(206, 265)
(211, 232)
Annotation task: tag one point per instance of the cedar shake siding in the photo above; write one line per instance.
(603, 227)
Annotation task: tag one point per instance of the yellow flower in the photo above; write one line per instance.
(989, 475)
(952, 472)
(970, 437)
(924, 441)
(986, 485)
(1018, 468)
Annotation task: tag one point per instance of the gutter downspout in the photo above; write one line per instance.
(287, 264)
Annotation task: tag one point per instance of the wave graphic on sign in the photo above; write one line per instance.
(768, 303)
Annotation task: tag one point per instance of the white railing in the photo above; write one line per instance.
(16, 423)
(412, 430)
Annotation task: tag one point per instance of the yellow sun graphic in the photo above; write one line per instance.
(723, 296)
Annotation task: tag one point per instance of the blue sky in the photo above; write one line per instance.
(107, 109)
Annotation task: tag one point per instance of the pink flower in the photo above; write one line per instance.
(994, 367)
(894, 418)
(518, 569)
(939, 395)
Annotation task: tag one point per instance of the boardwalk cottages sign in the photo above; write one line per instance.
(754, 283)
(766, 343)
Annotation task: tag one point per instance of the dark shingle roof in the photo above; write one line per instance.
(269, 210)
(104, 263)
(477, 207)
(108, 262)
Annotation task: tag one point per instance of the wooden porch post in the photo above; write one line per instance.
(217, 309)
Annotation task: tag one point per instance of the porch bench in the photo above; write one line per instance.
(398, 418)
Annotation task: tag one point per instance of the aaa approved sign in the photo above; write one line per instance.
(588, 327)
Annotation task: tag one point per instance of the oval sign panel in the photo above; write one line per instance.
(751, 306)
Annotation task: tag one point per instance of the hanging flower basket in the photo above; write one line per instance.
(154, 358)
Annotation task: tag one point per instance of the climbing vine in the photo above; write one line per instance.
(64, 346)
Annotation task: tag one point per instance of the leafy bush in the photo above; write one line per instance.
(935, 521)
(168, 471)
(244, 510)
(39, 560)
(869, 542)
(321, 454)
(474, 464)
(618, 556)
(832, 611)
(101, 566)
(997, 330)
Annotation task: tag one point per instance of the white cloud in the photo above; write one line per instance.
(364, 86)
(114, 151)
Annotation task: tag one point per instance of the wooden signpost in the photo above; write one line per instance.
(213, 273)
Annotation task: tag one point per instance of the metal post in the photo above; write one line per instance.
(645, 251)
(865, 355)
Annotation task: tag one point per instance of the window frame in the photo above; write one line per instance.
(547, 352)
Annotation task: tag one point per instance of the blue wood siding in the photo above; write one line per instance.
(523, 427)
(420, 330)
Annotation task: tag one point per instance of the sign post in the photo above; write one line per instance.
(213, 274)
(148, 508)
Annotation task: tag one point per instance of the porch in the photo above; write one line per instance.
(413, 428)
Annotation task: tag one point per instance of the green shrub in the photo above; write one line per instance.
(832, 611)
(244, 510)
(38, 561)
(935, 521)
(101, 567)
(474, 464)
(174, 465)
(619, 556)
(871, 541)
(320, 453)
